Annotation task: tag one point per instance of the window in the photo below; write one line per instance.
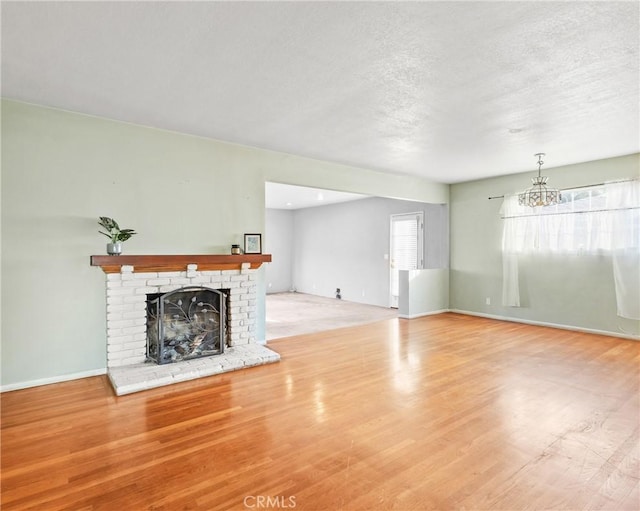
(587, 220)
(406, 236)
(601, 219)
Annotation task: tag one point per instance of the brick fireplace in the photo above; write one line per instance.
(130, 279)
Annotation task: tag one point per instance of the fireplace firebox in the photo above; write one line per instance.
(184, 324)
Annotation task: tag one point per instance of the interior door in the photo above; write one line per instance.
(406, 250)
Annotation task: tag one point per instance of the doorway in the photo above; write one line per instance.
(406, 249)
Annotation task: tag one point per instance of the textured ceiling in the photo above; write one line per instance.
(451, 91)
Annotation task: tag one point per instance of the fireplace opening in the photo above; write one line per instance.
(184, 324)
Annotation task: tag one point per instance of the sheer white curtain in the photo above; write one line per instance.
(515, 231)
(623, 203)
(599, 219)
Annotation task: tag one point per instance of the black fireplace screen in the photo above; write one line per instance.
(185, 324)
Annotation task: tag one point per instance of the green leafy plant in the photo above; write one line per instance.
(114, 233)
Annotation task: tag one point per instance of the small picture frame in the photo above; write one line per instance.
(253, 243)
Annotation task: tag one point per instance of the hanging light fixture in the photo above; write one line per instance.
(539, 194)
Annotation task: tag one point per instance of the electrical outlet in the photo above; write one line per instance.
(487, 300)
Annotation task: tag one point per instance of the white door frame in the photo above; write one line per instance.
(419, 261)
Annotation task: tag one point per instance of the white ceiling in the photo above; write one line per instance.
(451, 91)
(284, 196)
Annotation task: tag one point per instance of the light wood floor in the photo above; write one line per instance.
(444, 412)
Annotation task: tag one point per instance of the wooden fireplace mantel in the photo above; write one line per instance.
(160, 263)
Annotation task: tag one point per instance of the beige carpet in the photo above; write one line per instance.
(291, 314)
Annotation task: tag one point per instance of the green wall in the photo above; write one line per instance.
(183, 194)
(187, 194)
(569, 290)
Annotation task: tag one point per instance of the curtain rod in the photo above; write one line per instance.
(583, 186)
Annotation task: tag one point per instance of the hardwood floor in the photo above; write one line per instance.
(443, 412)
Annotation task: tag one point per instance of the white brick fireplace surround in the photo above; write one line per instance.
(129, 279)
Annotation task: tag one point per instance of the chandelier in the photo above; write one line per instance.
(539, 194)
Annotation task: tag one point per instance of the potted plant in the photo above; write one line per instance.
(115, 234)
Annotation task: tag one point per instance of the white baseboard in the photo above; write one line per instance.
(422, 314)
(49, 381)
(544, 323)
